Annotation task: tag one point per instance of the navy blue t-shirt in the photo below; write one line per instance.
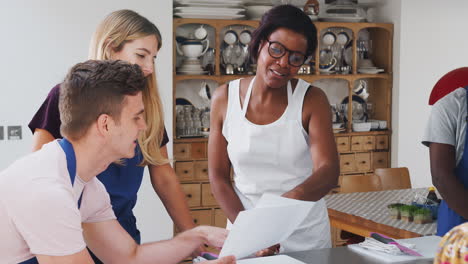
(122, 182)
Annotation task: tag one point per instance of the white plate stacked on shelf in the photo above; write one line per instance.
(209, 9)
(255, 11)
(366, 66)
(370, 70)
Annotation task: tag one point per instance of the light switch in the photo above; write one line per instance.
(14, 133)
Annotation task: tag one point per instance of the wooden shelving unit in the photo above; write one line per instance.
(360, 152)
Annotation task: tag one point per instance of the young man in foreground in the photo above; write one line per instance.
(51, 204)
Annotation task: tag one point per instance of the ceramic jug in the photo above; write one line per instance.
(192, 48)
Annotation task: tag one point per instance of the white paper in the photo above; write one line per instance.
(279, 259)
(272, 221)
(426, 246)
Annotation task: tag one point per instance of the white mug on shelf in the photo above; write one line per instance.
(328, 67)
(328, 38)
(200, 33)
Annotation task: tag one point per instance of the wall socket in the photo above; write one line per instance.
(14, 133)
(1, 133)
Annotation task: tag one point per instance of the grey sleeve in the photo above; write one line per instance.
(442, 124)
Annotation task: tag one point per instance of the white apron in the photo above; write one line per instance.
(274, 158)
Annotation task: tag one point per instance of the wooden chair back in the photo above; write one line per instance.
(394, 178)
(359, 183)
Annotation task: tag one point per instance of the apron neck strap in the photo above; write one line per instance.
(71, 162)
(71, 158)
(249, 93)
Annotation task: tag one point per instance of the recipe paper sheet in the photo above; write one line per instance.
(272, 221)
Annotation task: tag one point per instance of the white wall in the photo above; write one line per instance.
(433, 41)
(428, 42)
(40, 41)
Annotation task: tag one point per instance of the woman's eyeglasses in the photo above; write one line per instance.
(277, 50)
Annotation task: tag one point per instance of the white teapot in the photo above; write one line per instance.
(192, 48)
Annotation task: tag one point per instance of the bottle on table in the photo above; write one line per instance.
(432, 196)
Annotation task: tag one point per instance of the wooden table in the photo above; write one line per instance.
(362, 213)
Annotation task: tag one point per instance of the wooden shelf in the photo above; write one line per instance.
(190, 140)
(341, 134)
(307, 77)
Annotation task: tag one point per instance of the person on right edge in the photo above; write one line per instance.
(275, 131)
(453, 247)
(446, 138)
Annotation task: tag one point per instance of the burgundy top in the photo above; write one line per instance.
(48, 116)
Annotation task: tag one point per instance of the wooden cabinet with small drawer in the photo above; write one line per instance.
(201, 170)
(347, 163)
(199, 150)
(379, 160)
(355, 162)
(184, 170)
(381, 142)
(362, 143)
(220, 219)
(202, 217)
(190, 151)
(192, 194)
(342, 144)
(207, 196)
(182, 151)
(363, 161)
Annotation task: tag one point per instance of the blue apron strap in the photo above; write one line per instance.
(30, 261)
(71, 166)
(71, 162)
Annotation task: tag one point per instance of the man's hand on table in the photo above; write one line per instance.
(273, 250)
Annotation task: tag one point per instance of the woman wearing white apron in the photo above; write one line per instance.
(275, 131)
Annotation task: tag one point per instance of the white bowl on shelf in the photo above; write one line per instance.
(255, 12)
(378, 124)
(374, 124)
(362, 127)
(382, 124)
(337, 125)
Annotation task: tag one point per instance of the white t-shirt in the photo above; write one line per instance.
(447, 122)
(39, 206)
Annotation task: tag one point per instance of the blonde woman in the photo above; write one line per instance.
(126, 35)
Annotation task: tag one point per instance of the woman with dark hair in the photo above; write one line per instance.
(275, 130)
